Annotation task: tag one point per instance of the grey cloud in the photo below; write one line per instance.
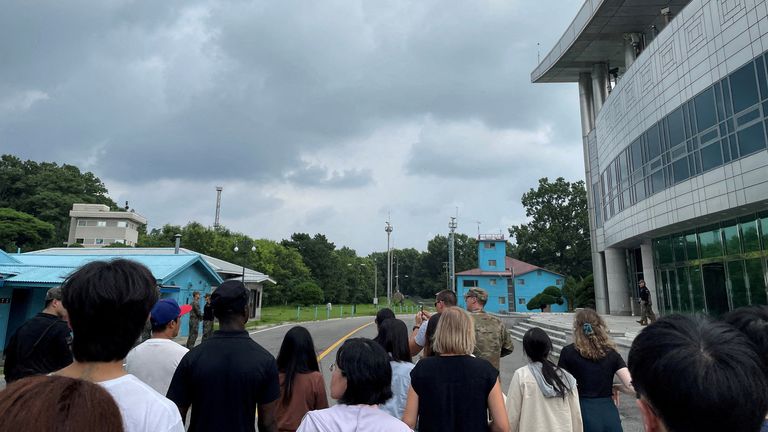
(318, 176)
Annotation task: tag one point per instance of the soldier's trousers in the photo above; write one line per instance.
(646, 313)
(193, 329)
(207, 329)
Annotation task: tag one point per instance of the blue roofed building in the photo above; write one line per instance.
(510, 283)
(25, 278)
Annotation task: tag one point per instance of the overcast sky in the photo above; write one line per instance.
(315, 116)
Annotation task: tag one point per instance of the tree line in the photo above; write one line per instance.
(35, 199)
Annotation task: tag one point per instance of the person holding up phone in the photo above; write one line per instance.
(417, 339)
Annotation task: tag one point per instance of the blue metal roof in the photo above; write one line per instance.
(54, 269)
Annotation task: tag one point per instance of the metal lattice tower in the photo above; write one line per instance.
(388, 228)
(218, 206)
(451, 256)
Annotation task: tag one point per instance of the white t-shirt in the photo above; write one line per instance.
(421, 336)
(349, 418)
(143, 409)
(154, 361)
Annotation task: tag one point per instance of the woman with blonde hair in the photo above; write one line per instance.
(454, 391)
(593, 360)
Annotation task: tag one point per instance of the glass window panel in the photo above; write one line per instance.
(626, 198)
(706, 116)
(761, 83)
(711, 156)
(664, 250)
(680, 170)
(678, 151)
(678, 248)
(671, 288)
(682, 288)
(726, 150)
(640, 191)
(653, 141)
(727, 98)
(713, 276)
(711, 246)
(747, 117)
(657, 181)
(744, 87)
(749, 236)
(694, 163)
(709, 136)
(731, 234)
(764, 232)
(738, 284)
(676, 126)
(662, 293)
(690, 246)
(697, 292)
(636, 150)
(719, 102)
(723, 130)
(734, 147)
(756, 279)
(751, 139)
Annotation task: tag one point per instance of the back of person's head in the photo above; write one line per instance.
(393, 337)
(590, 335)
(693, 374)
(753, 322)
(365, 365)
(429, 335)
(383, 314)
(297, 355)
(455, 333)
(108, 304)
(58, 404)
(448, 298)
(229, 302)
(537, 346)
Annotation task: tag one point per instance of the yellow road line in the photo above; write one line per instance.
(338, 342)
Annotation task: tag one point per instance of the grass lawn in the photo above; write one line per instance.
(279, 314)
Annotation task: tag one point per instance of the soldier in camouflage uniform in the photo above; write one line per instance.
(207, 318)
(194, 320)
(492, 338)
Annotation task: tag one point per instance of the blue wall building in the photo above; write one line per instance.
(25, 278)
(510, 283)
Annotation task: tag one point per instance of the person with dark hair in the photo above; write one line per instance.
(593, 360)
(229, 377)
(58, 404)
(194, 320)
(753, 322)
(108, 303)
(155, 360)
(394, 340)
(693, 374)
(42, 344)
(382, 315)
(417, 339)
(360, 382)
(646, 306)
(429, 336)
(302, 387)
(207, 318)
(541, 396)
(455, 391)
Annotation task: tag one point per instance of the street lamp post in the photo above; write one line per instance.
(388, 229)
(236, 250)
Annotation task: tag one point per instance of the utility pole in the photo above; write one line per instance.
(218, 206)
(451, 255)
(388, 228)
(447, 275)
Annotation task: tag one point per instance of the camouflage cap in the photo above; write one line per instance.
(479, 293)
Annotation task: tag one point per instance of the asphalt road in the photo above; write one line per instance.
(326, 334)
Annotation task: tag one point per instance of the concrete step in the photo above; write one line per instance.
(558, 337)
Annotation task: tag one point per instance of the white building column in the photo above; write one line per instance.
(649, 273)
(601, 287)
(616, 277)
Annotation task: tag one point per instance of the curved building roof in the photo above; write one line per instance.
(596, 35)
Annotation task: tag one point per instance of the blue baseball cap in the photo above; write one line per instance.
(167, 310)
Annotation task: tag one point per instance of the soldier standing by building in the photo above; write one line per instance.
(194, 320)
(207, 317)
(646, 309)
(492, 338)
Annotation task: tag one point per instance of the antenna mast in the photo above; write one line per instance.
(451, 255)
(218, 206)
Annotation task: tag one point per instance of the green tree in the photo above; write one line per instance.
(327, 267)
(22, 230)
(47, 191)
(307, 293)
(549, 296)
(557, 236)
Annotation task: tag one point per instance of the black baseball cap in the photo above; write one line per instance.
(230, 296)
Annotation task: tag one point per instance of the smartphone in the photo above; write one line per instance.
(422, 307)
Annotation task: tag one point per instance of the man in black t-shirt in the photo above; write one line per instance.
(230, 376)
(42, 344)
(207, 318)
(646, 308)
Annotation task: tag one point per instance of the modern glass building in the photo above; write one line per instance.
(674, 113)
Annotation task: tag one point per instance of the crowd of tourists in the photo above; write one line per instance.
(76, 367)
